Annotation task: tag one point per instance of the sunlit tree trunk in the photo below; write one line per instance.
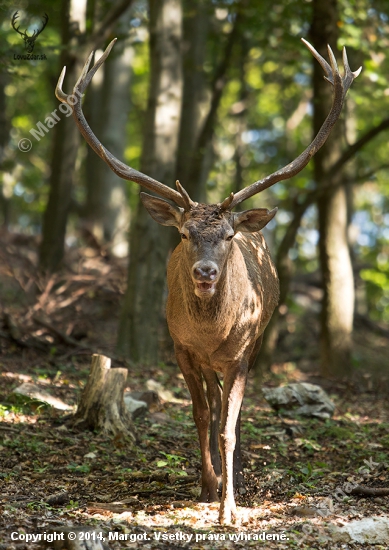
(142, 312)
(337, 273)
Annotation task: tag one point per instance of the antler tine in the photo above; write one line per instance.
(81, 79)
(325, 66)
(350, 75)
(45, 20)
(188, 201)
(60, 94)
(13, 21)
(86, 74)
(121, 169)
(227, 202)
(341, 86)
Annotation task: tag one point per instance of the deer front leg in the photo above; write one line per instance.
(192, 375)
(238, 471)
(214, 393)
(233, 390)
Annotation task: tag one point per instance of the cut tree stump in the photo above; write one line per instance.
(101, 405)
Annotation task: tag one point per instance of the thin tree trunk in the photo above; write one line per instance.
(198, 172)
(107, 211)
(337, 273)
(4, 137)
(195, 29)
(143, 306)
(66, 141)
(241, 118)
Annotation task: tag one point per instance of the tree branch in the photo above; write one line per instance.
(101, 34)
(349, 153)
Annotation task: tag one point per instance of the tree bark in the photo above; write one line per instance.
(142, 312)
(4, 137)
(107, 211)
(195, 96)
(66, 141)
(198, 172)
(337, 273)
(101, 405)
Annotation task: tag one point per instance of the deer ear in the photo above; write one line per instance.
(162, 211)
(253, 220)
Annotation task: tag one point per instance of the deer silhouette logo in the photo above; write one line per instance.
(29, 41)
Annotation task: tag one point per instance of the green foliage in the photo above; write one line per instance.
(22, 404)
(78, 468)
(172, 463)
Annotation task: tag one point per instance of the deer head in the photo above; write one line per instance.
(29, 41)
(207, 232)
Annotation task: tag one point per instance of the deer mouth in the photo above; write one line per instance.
(204, 289)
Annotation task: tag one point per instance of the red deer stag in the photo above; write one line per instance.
(223, 287)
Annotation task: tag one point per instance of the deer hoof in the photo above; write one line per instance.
(227, 514)
(209, 495)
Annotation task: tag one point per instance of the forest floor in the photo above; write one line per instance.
(297, 470)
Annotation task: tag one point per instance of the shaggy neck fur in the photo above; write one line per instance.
(222, 306)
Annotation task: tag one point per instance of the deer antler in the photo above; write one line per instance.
(13, 21)
(121, 169)
(341, 86)
(45, 20)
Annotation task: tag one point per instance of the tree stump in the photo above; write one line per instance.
(101, 405)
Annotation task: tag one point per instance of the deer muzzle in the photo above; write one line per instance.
(205, 276)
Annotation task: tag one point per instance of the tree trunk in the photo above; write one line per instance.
(241, 118)
(107, 210)
(199, 165)
(337, 273)
(101, 405)
(66, 141)
(4, 137)
(195, 97)
(142, 311)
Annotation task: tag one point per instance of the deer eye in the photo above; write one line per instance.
(184, 237)
(230, 237)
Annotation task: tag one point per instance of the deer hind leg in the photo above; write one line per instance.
(193, 378)
(214, 397)
(233, 391)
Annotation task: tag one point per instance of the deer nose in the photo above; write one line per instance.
(205, 272)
